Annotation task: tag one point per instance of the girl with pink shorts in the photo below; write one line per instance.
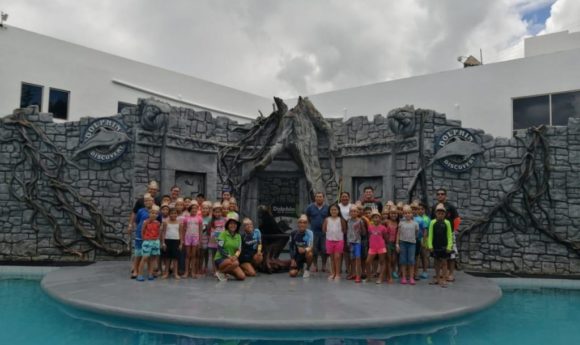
(334, 227)
(191, 228)
(377, 237)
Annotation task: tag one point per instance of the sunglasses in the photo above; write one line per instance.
(440, 193)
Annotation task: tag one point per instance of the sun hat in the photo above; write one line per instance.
(216, 205)
(440, 207)
(232, 220)
(375, 212)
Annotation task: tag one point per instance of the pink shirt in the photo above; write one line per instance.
(193, 225)
(216, 230)
(392, 232)
(376, 240)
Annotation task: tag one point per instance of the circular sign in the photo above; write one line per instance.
(462, 160)
(104, 140)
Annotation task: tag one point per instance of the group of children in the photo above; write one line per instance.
(377, 245)
(383, 245)
(184, 228)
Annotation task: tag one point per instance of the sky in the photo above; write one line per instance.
(299, 47)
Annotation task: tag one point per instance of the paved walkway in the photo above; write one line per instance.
(267, 302)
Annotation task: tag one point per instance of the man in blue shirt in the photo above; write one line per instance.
(316, 213)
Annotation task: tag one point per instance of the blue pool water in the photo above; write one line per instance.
(530, 316)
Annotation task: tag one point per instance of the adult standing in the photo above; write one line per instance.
(316, 213)
(226, 194)
(452, 216)
(251, 256)
(345, 205)
(175, 194)
(368, 199)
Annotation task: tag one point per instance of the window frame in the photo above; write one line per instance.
(50, 89)
(550, 105)
(22, 84)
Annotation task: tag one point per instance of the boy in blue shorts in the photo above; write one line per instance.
(301, 242)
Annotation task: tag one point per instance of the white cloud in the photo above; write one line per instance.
(565, 15)
(286, 48)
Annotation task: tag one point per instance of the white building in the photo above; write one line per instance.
(87, 82)
(65, 78)
(541, 88)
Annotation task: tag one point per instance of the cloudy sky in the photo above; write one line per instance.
(286, 48)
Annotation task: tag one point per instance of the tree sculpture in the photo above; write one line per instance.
(523, 206)
(43, 164)
(294, 131)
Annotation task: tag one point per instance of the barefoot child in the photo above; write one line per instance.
(334, 227)
(191, 228)
(392, 224)
(406, 243)
(440, 244)
(377, 237)
(151, 248)
(172, 243)
(356, 228)
(203, 252)
(421, 254)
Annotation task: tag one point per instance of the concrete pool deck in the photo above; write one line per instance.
(267, 302)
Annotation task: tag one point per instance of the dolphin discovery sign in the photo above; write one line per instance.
(457, 149)
(104, 140)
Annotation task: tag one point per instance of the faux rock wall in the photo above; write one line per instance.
(367, 149)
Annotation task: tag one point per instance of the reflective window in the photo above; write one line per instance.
(531, 111)
(31, 94)
(58, 103)
(565, 105)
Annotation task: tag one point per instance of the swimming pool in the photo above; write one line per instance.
(523, 316)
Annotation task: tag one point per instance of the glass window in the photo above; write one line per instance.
(565, 105)
(122, 105)
(531, 111)
(58, 103)
(31, 94)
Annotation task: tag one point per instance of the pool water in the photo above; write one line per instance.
(522, 316)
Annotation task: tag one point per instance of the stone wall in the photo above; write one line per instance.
(369, 150)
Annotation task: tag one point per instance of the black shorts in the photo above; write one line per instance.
(440, 254)
(171, 249)
(300, 261)
(246, 257)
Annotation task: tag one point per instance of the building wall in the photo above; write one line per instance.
(97, 81)
(551, 43)
(480, 97)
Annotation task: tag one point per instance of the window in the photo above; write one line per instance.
(123, 105)
(564, 106)
(531, 111)
(553, 109)
(31, 94)
(58, 103)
